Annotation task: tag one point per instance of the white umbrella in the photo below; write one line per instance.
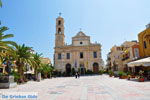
(142, 62)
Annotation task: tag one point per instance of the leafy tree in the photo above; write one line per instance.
(0, 3)
(5, 45)
(46, 69)
(22, 55)
(37, 64)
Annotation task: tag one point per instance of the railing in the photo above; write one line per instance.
(125, 58)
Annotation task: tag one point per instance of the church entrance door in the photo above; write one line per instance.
(68, 69)
(95, 68)
(82, 69)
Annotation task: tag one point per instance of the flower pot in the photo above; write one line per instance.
(141, 79)
(25, 80)
(120, 77)
(128, 77)
(110, 75)
(132, 76)
(123, 77)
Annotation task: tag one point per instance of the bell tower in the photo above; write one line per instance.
(59, 36)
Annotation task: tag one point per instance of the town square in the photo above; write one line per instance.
(74, 50)
(86, 88)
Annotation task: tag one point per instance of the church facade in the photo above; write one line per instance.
(80, 56)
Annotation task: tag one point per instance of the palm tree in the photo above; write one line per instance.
(47, 69)
(5, 45)
(37, 63)
(22, 55)
(0, 3)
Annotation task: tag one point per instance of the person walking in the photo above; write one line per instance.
(76, 75)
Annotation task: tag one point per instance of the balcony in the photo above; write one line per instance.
(125, 58)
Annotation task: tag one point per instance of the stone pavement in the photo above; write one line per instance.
(100, 87)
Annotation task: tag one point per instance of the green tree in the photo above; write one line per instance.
(22, 55)
(37, 64)
(0, 3)
(46, 69)
(5, 45)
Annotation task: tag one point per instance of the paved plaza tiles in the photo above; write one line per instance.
(100, 87)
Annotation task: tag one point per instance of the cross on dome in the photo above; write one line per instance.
(60, 14)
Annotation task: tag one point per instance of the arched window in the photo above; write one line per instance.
(59, 56)
(81, 55)
(59, 22)
(94, 54)
(59, 30)
(68, 55)
(145, 46)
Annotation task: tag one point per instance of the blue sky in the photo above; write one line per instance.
(108, 22)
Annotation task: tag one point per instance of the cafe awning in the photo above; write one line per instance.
(142, 62)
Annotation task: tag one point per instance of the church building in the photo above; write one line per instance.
(80, 56)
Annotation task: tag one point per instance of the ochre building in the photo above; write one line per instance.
(144, 41)
(121, 55)
(81, 55)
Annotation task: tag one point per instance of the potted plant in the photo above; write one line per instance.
(132, 76)
(116, 74)
(101, 72)
(111, 73)
(122, 75)
(141, 77)
(129, 75)
(16, 76)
